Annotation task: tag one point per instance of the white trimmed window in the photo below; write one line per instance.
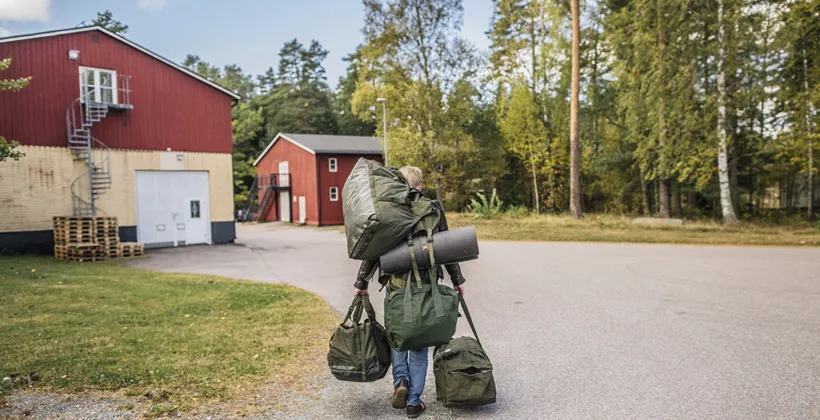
(334, 194)
(333, 165)
(98, 85)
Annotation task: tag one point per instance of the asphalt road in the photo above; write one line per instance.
(585, 330)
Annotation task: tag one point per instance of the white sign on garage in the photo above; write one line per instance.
(173, 208)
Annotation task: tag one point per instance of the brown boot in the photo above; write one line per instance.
(399, 399)
(414, 411)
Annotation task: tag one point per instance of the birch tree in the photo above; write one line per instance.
(728, 210)
(575, 158)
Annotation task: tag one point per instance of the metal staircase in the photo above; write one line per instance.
(81, 116)
(271, 184)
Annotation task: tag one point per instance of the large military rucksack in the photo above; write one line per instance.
(359, 352)
(381, 210)
(464, 374)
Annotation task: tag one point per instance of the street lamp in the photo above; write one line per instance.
(384, 109)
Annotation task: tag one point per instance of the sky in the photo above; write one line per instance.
(244, 32)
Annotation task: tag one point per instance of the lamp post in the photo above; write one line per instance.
(383, 101)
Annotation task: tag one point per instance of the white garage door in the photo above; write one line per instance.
(173, 208)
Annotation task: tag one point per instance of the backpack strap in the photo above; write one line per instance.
(428, 245)
(408, 303)
(412, 249)
(469, 318)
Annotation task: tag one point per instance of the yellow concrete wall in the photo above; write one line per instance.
(37, 187)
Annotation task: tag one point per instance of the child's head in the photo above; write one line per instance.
(413, 176)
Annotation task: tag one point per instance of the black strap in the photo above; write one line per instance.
(469, 318)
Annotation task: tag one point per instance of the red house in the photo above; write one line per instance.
(303, 175)
(109, 127)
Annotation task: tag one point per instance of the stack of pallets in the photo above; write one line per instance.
(131, 249)
(75, 239)
(107, 235)
(91, 239)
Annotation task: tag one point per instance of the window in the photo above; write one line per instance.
(195, 209)
(334, 194)
(98, 85)
(334, 165)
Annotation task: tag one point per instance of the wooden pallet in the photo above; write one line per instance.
(65, 239)
(86, 238)
(111, 247)
(131, 249)
(84, 252)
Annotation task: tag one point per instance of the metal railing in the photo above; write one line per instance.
(88, 187)
(273, 181)
(82, 114)
(260, 194)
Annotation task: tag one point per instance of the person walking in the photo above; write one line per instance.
(410, 367)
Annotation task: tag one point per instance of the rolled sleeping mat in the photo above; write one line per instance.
(449, 247)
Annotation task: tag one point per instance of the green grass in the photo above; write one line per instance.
(101, 326)
(608, 228)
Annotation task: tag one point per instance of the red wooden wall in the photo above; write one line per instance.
(171, 108)
(332, 210)
(302, 167)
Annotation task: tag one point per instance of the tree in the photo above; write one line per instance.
(414, 57)
(575, 159)
(298, 99)
(230, 77)
(525, 135)
(529, 49)
(7, 149)
(801, 84)
(107, 21)
(349, 123)
(726, 206)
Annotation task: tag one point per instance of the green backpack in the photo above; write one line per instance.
(421, 315)
(380, 209)
(359, 352)
(464, 374)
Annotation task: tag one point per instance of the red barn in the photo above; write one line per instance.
(303, 175)
(109, 127)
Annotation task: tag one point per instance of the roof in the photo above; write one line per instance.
(125, 41)
(328, 144)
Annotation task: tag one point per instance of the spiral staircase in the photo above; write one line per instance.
(81, 116)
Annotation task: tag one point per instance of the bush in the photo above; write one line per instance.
(482, 208)
(517, 212)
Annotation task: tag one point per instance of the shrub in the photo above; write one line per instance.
(517, 212)
(482, 208)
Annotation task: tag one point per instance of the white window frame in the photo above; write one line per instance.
(334, 193)
(333, 165)
(97, 93)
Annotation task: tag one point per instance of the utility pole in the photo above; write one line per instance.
(384, 111)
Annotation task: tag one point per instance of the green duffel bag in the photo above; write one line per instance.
(464, 374)
(420, 315)
(359, 352)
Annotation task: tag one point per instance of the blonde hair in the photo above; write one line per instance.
(413, 176)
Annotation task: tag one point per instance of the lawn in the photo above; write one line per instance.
(607, 228)
(193, 338)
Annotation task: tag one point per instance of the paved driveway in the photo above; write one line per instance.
(583, 331)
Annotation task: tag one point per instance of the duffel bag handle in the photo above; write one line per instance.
(355, 306)
(469, 318)
(368, 307)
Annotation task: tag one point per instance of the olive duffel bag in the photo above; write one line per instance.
(464, 374)
(359, 352)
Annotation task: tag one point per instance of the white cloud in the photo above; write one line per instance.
(151, 5)
(4, 32)
(24, 9)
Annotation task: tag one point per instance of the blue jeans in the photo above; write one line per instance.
(411, 364)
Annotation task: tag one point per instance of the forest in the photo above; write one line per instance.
(677, 100)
